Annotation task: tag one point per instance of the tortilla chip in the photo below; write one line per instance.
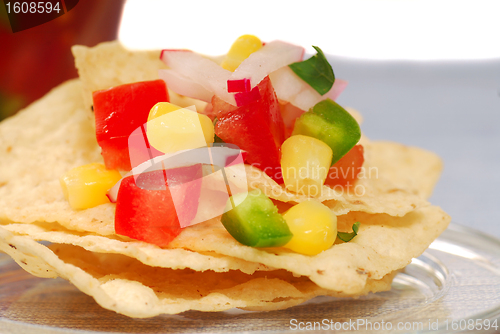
(146, 253)
(411, 169)
(37, 146)
(371, 194)
(383, 244)
(127, 286)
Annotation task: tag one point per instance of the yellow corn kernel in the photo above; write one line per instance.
(313, 225)
(171, 128)
(243, 47)
(305, 162)
(86, 186)
(160, 109)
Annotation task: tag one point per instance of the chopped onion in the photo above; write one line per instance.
(185, 86)
(200, 70)
(196, 76)
(266, 60)
(290, 88)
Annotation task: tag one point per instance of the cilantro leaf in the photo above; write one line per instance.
(316, 71)
(346, 237)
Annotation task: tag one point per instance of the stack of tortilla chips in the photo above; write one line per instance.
(204, 268)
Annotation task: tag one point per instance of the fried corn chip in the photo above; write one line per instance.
(37, 146)
(372, 194)
(127, 286)
(383, 244)
(420, 174)
(146, 253)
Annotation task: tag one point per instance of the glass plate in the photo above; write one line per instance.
(454, 286)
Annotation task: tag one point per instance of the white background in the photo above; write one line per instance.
(374, 29)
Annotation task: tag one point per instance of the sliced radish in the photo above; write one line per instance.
(196, 76)
(290, 88)
(338, 87)
(266, 60)
(185, 86)
(287, 84)
(200, 70)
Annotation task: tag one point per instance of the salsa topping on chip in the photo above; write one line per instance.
(135, 122)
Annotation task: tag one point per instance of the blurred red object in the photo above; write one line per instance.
(35, 60)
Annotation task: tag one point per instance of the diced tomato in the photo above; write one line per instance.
(151, 208)
(118, 112)
(256, 128)
(345, 171)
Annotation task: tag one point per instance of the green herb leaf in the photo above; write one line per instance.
(346, 237)
(316, 71)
